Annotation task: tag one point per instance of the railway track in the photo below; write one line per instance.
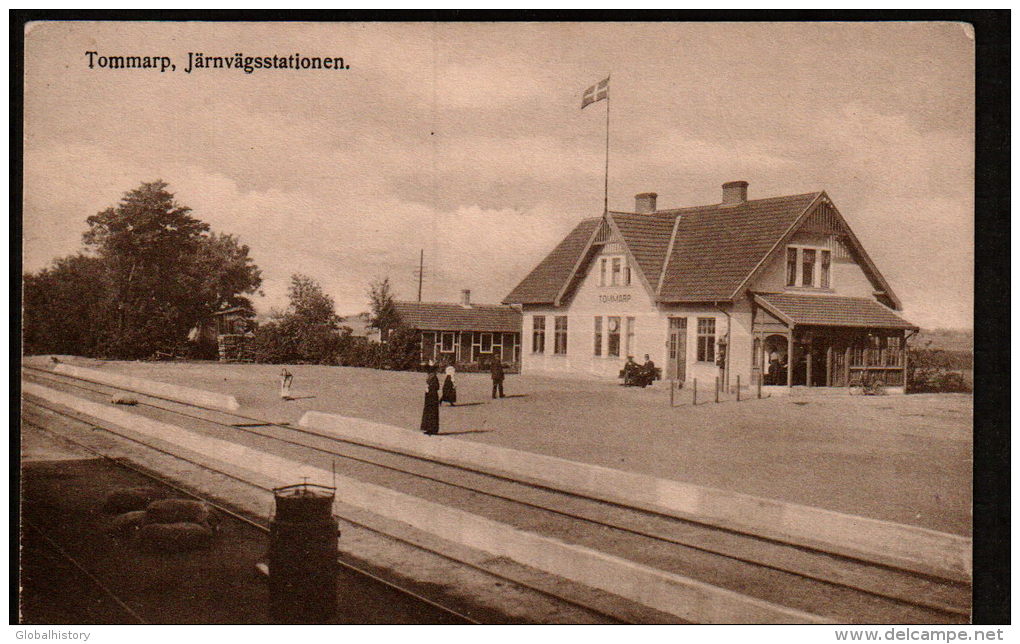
(460, 614)
(79, 569)
(817, 582)
(223, 509)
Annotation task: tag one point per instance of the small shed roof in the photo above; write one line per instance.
(443, 316)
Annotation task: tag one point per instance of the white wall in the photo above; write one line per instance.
(846, 277)
(588, 301)
(651, 329)
(652, 325)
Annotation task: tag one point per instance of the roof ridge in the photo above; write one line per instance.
(669, 256)
(457, 304)
(749, 201)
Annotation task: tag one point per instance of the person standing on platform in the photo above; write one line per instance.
(497, 378)
(449, 387)
(286, 380)
(430, 413)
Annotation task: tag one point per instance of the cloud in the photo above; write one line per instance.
(467, 141)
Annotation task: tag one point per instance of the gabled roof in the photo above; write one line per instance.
(717, 247)
(544, 283)
(830, 310)
(442, 316)
(647, 237)
(699, 254)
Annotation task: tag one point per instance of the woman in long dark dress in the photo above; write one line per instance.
(430, 413)
(449, 387)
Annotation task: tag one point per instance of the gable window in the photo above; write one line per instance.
(613, 336)
(538, 334)
(807, 262)
(560, 335)
(808, 267)
(706, 339)
(598, 335)
(614, 271)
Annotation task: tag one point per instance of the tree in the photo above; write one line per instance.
(307, 331)
(157, 272)
(66, 307)
(310, 304)
(383, 314)
(225, 273)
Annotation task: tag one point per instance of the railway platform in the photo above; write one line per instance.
(74, 572)
(600, 559)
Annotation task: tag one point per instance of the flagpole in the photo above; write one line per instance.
(605, 201)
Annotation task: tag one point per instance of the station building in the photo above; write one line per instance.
(469, 336)
(776, 290)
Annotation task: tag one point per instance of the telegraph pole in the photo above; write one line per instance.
(421, 271)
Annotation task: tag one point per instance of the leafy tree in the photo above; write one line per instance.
(66, 307)
(310, 304)
(152, 273)
(225, 273)
(383, 314)
(308, 331)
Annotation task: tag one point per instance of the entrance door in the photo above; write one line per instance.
(676, 366)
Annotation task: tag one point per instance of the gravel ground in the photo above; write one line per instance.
(900, 458)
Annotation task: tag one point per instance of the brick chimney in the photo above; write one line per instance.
(734, 192)
(465, 297)
(644, 203)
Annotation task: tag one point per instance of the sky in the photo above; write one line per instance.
(467, 141)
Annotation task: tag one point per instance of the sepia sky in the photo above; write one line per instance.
(467, 141)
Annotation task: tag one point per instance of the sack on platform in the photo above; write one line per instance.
(124, 524)
(176, 511)
(128, 499)
(175, 537)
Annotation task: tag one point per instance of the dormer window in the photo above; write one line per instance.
(808, 267)
(614, 271)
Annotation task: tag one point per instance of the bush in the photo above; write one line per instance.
(938, 371)
(288, 341)
(400, 351)
(360, 352)
(403, 349)
(274, 344)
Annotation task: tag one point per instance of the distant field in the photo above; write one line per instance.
(901, 458)
(945, 340)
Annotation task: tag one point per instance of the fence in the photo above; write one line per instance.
(694, 393)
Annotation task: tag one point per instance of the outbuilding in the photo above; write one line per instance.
(777, 290)
(467, 335)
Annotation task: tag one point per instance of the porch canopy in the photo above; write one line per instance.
(828, 340)
(831, 310)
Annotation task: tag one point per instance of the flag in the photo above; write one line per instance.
(595, 93)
